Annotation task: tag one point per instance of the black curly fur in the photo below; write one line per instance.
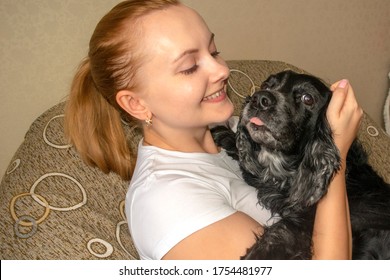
(287, 153)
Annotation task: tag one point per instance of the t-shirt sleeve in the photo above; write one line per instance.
(162, 214)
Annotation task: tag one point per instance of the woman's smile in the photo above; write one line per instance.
(216, 97)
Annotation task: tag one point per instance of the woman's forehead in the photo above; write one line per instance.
(174, 30)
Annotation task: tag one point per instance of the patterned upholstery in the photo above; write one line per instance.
(53, 206)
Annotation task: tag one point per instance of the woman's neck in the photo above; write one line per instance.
(200, 141)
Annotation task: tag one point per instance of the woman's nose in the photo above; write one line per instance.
(219, 70)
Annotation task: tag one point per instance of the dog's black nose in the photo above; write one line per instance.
(263, 100)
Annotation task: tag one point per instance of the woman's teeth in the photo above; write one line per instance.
(215, 95)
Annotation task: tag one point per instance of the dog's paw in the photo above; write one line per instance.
(246, 153)
(225, 138)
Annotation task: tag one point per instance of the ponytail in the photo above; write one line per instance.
(92, 116)
(94, 127)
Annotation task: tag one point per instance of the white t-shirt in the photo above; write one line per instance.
(174, 194)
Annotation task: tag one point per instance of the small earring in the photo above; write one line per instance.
(149, 122)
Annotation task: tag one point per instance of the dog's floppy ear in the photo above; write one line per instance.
(321, 159)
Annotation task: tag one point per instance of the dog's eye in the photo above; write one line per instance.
(307, 99)
(265, 86)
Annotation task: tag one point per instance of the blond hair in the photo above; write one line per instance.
(92, 116)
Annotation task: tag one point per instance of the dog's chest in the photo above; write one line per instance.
(277, 167)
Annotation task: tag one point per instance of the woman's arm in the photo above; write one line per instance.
(332, 228)
(226, 239)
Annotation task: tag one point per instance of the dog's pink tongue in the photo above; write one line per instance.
(256, 121)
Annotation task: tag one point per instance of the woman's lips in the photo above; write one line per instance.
(218, 96)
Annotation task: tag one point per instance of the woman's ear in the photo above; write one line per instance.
(132, 104)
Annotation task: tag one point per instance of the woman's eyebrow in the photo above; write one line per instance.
(191, 51)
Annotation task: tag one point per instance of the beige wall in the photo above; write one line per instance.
(42, 41)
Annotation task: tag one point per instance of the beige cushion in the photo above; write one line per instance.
(53, 206)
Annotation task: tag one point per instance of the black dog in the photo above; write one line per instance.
(285, 149)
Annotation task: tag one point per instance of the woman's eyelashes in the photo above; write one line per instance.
(190, 70)
(193, 69)
(215, 54)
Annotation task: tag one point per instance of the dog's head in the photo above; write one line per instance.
(284, 139)
(286, 108)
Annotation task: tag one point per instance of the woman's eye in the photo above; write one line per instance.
(307, 99)
(215, 54)
(190, 70)
(195, 67)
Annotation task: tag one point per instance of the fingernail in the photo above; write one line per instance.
(343, 83)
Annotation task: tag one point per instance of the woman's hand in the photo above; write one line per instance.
(344, 115)
(332, 238)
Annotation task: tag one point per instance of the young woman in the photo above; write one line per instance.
(155, 62)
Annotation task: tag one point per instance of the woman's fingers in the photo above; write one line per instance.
(344, 114)
(339, 97)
